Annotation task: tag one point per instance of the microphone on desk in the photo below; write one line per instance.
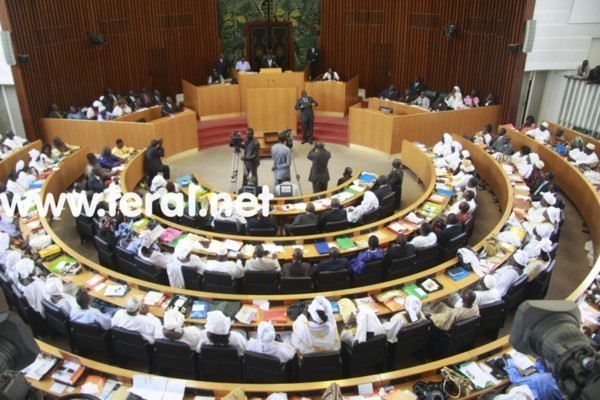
(318, 78)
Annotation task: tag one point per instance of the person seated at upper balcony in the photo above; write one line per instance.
(83, 313)
(215, 77)
(75, 113)
(541, 133)
(331, 75)
(374, 252)
(108, 160)
(346, 176)
(391, 93)
(265, 343)
(261, 261)
(136, 317)
(454, 99)
(316, 332)
(422, 100)
(528, 125)
(471, 100)
(169, 108)
(233, 268)
(243, 65)
(122, 151)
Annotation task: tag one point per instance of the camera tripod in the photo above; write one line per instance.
(235, 163)
(296, 172)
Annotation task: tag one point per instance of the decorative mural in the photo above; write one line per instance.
(303, 15)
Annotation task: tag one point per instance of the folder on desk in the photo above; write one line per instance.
(185, 181)
(446, 192)
(367, 177)
(414, 290)
(199, 309)
(345, 243)
(322, 247)
(457, 273)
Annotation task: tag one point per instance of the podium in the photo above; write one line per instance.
(334, 98)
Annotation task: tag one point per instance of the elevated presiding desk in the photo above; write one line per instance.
(370, 127)
(227, 100)
(178, 132)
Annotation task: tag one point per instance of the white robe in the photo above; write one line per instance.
(233, 268)
(90, 316)
(236, 340)
(310, 337)
(191, 336)
(424, 241)
(34, 294)
(483, 297)
(263, 264)
(147, 325)
(283, 351)
(16, 188)
(505, 277)
(370, 202)
(156, 258)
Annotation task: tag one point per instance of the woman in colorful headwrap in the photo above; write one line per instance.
(318, 332)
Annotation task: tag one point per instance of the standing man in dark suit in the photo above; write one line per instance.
(305, 105)
(416, 87)
(334, 215)
(153, 164)
(313, 57)
(394, 179)
(222, 66)
(319, 173)
(251, 158)
(450, 231)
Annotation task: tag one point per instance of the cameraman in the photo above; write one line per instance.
(152, 163)
(251, 156)
(282, 159)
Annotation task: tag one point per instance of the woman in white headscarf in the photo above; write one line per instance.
(488, 293)
(369, 203)
(24, 178)
(265, 343)
(12, 257)
(159, 185)
(443, 148)
(30, 285)
(319, 333)
(410, 316)
(182, 257)
(35, 163)
(173, 329)
(14, 186)
(54, 293)
(455, 99)
(217, 332)
(366, 321)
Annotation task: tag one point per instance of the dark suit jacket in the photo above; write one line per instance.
(330, 265)
(265, 63)
(450, 232)
(251, 153)
(305, 219)
(332, 216)
(383, 191)
(389, 94)
(343, 179)
(166, 110)
(319, 173)
(313, 56)
(395, 177)
(395, 252)
(416, 88)
(153, 163)
(222, 67)
(305, 107)
(295, 270)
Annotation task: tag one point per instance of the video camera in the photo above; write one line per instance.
(289, 139)
(236, 140)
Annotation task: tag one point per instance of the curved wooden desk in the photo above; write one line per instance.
(8, 164)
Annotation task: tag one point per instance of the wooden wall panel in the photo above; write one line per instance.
(354, 33)
(150, 43)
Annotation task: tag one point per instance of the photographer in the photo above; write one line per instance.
(251, 156)
(153, 164)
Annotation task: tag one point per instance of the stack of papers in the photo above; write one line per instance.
(413, 219)
(247, 314)
(157, 388)
(40, 367)
(154, 298)
(116, 290)
(480, 378)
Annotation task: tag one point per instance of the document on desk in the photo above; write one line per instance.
(157, 388)
(476, 375)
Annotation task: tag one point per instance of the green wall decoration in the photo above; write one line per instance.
(304, 15)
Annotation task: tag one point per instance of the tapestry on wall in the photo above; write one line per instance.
(303, 15)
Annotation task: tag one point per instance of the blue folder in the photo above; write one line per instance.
(322, 247)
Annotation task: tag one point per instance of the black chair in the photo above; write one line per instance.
(426, 257)
(192, 280)
(387, 205)
(92, 338)
(58, 322)
(412, 340)
(538, 287)
(461, 337)
(226, 227)
(106, 253)
(220, 282)
(220, 364)
(148, 272)
(365, 358)
(371, 274)
(321, 366)
(126, 262)
(449, 250)
(8, 294)
(262, 232)
(400, 267)
(262, 368)
(175, 359)
(303, 230)
(295, 285)
(260, 282)
(371, 216)
(189, 221)
(130, 345)
(332, 280)
(34, 319)
(491, 319)
(336, 226)
(85, 227)
(516, 293)
(469, 226)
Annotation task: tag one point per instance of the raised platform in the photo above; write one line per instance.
(217, 132)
